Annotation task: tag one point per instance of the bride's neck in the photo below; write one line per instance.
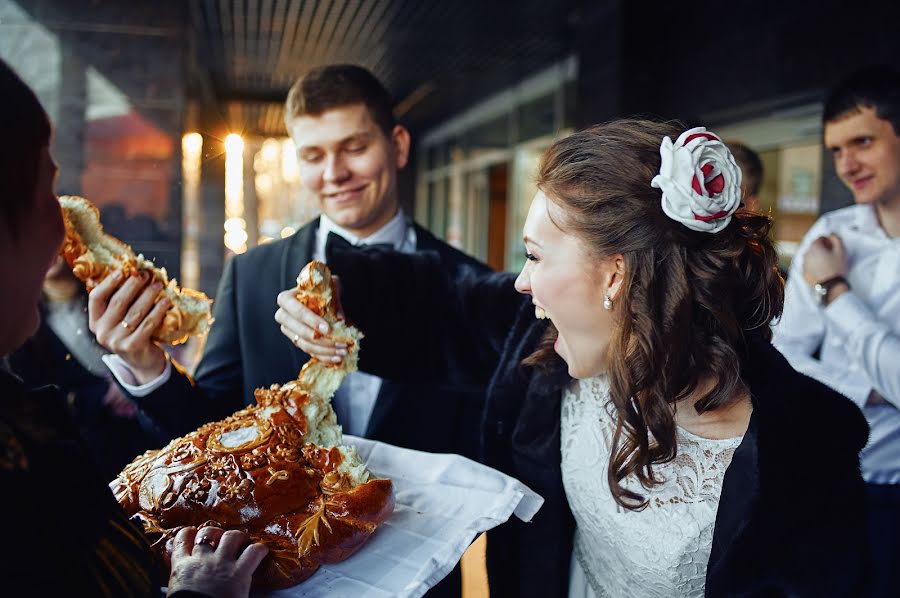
(728, 421)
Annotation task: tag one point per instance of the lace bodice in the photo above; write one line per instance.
(660, 551)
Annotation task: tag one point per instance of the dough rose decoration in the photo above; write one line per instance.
(699, 179)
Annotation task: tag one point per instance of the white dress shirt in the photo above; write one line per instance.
(858, 332)
(355, 399)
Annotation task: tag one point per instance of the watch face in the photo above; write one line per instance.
(820, 292)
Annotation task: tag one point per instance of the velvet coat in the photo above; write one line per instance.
(791, 516)
(64, 532)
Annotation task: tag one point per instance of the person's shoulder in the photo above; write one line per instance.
(834, 222)
(839, 219)
(426, 240)
(824, 409)
(808, 409)
(266, 252)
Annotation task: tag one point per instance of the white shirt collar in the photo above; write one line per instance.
(395, 232)
(867, 220)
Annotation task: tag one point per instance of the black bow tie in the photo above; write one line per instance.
(336, 241)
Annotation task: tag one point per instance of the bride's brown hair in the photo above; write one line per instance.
(688, 302)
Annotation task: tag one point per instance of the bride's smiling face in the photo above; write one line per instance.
(568, 283)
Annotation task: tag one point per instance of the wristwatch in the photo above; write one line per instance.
(820, 289)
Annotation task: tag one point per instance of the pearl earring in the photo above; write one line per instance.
(607, 303)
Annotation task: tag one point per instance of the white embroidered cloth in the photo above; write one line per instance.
(660, 551)
(442, 503)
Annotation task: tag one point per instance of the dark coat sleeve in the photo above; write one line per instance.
(824, 551)
(423, 321)
(805, 533)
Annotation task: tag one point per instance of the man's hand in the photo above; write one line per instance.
(306, 330)
(214, 562)
(825, 258)
(123, 316)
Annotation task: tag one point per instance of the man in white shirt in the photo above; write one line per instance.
(841, 322)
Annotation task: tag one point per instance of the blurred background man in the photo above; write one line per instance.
(841, 323)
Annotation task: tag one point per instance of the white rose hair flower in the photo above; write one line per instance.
(699, 179)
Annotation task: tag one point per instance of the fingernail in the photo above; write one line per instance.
(341, 351)
(157, 286)
(323, 328)
(337, 359)
(340, 345)
(117, 275)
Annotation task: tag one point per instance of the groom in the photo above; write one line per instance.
(349, 149)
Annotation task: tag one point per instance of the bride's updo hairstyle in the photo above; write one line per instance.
(701, 275)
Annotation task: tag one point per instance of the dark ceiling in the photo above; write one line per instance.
(436, 57)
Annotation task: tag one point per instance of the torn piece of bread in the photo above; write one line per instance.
(315, 289)
(276, 470)
(93, 254)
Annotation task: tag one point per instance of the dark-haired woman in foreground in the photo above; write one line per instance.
(63, 532)
(678, 452)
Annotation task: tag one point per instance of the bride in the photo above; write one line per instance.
(631, 381)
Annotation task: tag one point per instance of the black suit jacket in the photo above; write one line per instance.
(791, 516)
(246, 350)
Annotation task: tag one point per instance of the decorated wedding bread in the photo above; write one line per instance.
(275, 470)
(93, 255)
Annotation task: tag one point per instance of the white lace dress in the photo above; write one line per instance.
(660, 551)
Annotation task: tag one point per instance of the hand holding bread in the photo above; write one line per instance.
(123, 314)
(308, 329)
(132, 303)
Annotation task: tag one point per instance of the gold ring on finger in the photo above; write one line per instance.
(125, 325)
(296, 339)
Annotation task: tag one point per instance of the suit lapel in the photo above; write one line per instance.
(298, 252)
(426, 241)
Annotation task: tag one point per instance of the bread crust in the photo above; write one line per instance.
(260, 471)
(92, 255)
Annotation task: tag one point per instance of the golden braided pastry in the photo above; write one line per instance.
(275, 470)
(93, 254)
